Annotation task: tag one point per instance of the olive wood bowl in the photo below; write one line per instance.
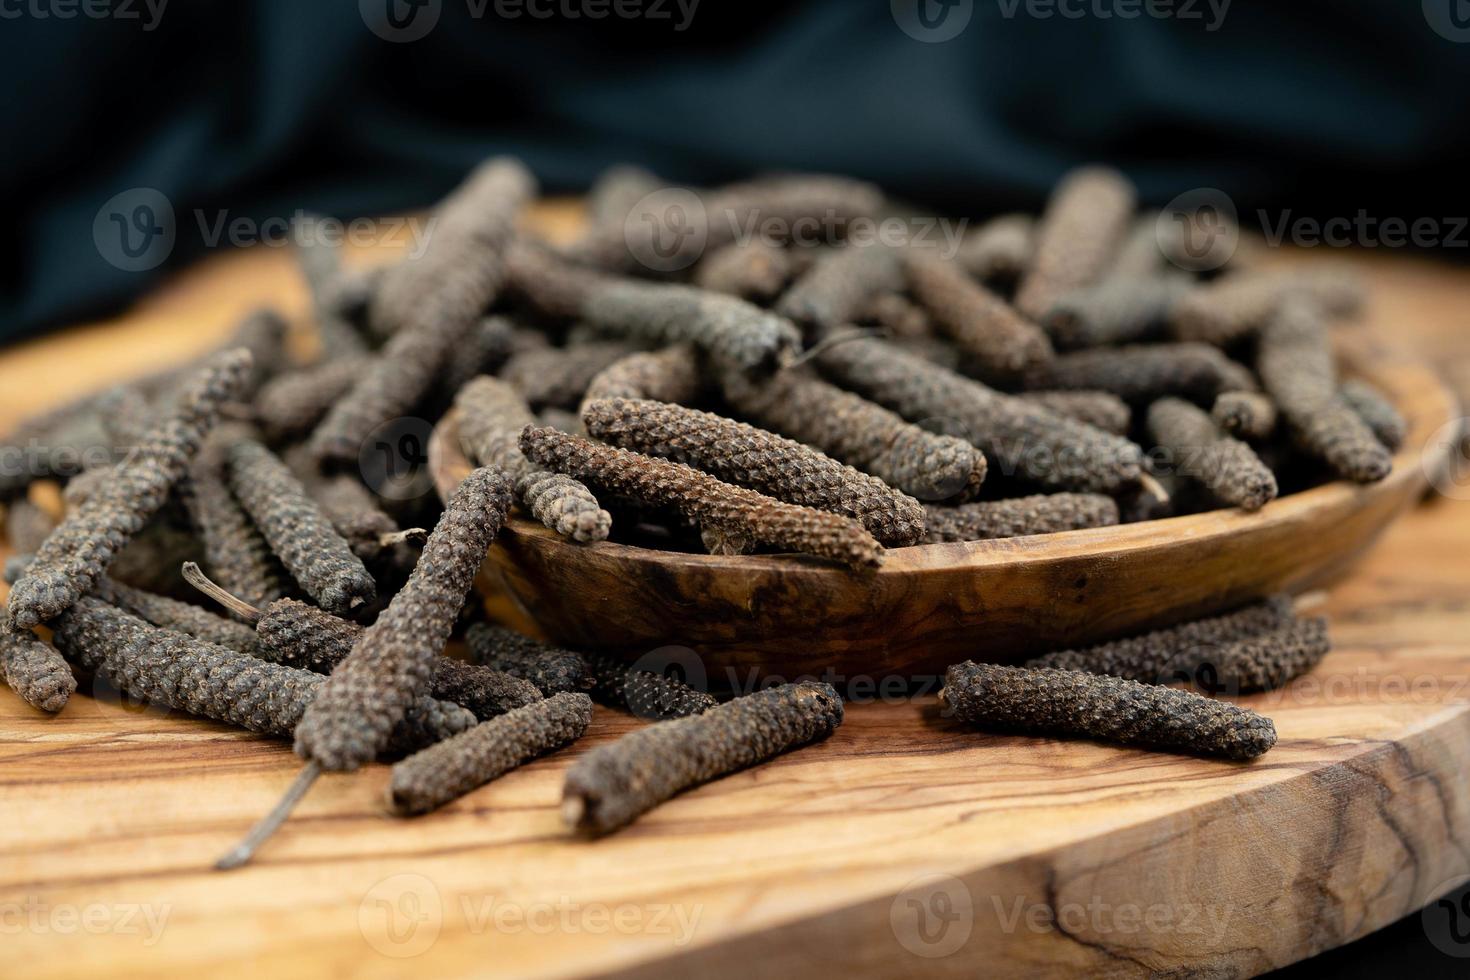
(928, 606)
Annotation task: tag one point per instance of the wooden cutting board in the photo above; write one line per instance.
(901, 846)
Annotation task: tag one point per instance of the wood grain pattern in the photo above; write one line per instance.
(1356, 818)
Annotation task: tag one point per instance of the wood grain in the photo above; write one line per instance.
(818, 861)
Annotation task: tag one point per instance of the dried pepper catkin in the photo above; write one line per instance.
(1118, 310)
(1245, 414)
(1141, 373)
(1100, 409)
(1150, 656)
(558, 376)
(613, 784)
(744, 516)
(491, 342)
(1199, 450)
(34, 670)
(1018, 437)
(1377, 412)
(319, 558)
(997, 342)
(181, 617)
(1039, 514)
(1267, 661)
(1295, 363)
(491, 417)
(291, 404)
(27, 525)
(1052, 702)
(431, 303)
(899, 315)
(756, 271)
(1000, 250)
(320, 262)
(750, 457)
(449, 770)
(1086, 218)
(79, 551)
(667, 375)
(838, 285)
(1233, 307)
(923, 464)
(234, 549)
(355, 514)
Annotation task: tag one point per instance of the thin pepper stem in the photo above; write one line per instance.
(195, 576)
(242, 852)
(416, 535)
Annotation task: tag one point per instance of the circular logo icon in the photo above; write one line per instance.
(135, 231)
(107, 691)
(932, 21)
(667, 230)
(1449, 18)
(1446, 920)
(933, 915)
(676, 663)
(400, 21)
(394, 459)
(1203, 669)
(1451, 445)
(401, 915)
(1198, 231)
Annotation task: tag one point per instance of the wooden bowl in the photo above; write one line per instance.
(931, 605)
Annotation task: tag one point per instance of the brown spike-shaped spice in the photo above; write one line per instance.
(997, 342)
(291, 404)
(923, 464)
(454, 767)
(1377, 412)
(1268, 661)
(491, 416)
(1199, 450)
(1118, 310)
(743, 516)
(899, 315)
(839, 284)
(34, 670)
(1100, 409)
(234, 549)
(756, 270)
(1079, 233)
(320, 262)
(298, 532)
(27, 525)
(393, 661)
(552, 669)
(354, 512)
(750, 457)
(1295, 362)
(181, 617)
(1000, 250)
(1233, 307)
(558, 376)
(431, 304)
(613, 784)
(491, 342)
(1245, 414)
(667, 375)
(1072, 703)
(1152, 656)
(82, 547)
(1017, 516)
(1019, 438)
(1144, 372)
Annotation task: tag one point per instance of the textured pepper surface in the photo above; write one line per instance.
(750, 457)
(1018, 437)
(393, 662)
(300, 534)
(667, 375)
(1245, 414)
(27, 525)
(1226, 466)
(899, 315)
(1118, 310)
(1377, 412)
(81, 548)
(925, 465)
(838, 285)
(430, 304)
(181, 617)
(744, 516)
(1100, 409)
(558, 376)
(235, 552)
(1051, 702)
(34, 670)
(1295, 362)
(1269, 660)
(444, 772)
(1013, 517)
(1233, 307)
(553, 670)
(755, 271)
(1000, 250)
(998, 343)
(1153, 656)
(1084, 222)
(615, 783)
(1141, 373)
(291, 404)
(492, 414)
(173, 670)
